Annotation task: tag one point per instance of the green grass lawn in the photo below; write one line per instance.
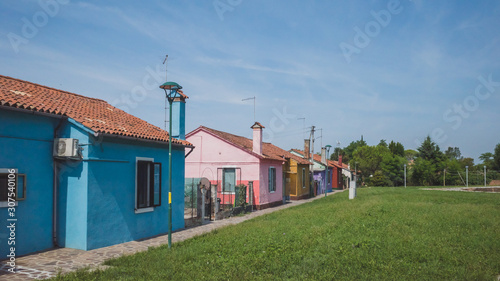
(385, 233)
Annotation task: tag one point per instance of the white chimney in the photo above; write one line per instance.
(323, 155)
(257, 137)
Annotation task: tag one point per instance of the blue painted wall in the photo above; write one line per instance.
(72, 193)
(111, 214)
(26, 144)
(322, 177)
(96, 196)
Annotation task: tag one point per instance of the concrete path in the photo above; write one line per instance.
(48, 263)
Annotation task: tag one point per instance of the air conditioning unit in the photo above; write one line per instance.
(66, 148)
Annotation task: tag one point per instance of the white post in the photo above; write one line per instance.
(467, 176)
(405, 175)
(352, 188)
(484, 176)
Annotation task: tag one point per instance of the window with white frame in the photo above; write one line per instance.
(148, 184)
(272, 179)
(303, 177)
(12, 187)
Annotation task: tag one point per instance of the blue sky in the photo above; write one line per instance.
(412, 69)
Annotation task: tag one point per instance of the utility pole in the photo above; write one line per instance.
(444, 178)
(312, 145)
(467, 175)
(405, 175)
(484, 176)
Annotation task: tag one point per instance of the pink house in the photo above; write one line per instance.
(229, 160)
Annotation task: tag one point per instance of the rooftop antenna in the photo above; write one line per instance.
(253, 98)
(165, 63)
(321, 142)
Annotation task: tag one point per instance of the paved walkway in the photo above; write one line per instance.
(48, 263)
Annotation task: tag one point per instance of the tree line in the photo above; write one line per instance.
(383, 164)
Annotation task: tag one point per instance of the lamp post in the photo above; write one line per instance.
(405, 175)
(484, 176)
(171, 93)
(467, 175)
(327, 174)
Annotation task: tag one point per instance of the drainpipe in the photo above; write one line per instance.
(54, 190)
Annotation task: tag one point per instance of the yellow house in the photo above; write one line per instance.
(297, 181)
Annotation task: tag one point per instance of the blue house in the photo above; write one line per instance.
(88, 175)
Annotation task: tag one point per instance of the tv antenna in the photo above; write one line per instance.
(253, 98)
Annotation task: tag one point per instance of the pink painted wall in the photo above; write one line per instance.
(212, 152)
(265, 195)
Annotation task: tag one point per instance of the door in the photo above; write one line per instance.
(228, 186)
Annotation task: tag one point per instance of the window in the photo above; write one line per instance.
(272, 179)
(148, 184)
(303, 177)
(12, 186)
(228, 180)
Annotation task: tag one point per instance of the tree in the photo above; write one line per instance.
(429, 164)
(487, 159)
(410, 154)
(430, 151)
(382, 143)
(453, 153)
(378, 166)
(349, 150)
(335, 155)
(393, 168)
(423, 172)
(466, 162)
(496, 158)
(397, 148)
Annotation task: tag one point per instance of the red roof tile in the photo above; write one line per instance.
(95, 114)
(317, 158)
(269, 150)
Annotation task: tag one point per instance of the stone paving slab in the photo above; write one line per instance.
(47, 264)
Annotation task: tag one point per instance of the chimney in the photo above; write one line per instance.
(257, 138)
(307, 148)
(179, 117)
(323, 155)
(340, 160)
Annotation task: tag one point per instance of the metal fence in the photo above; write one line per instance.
(471, 178)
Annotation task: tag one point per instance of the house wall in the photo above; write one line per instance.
(303, 192)
(297, 190)
(72, 197)
(96, 196)
(111, 192)
(211, 153)
(270, 198)
(26, 142)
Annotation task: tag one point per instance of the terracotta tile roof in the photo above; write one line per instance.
(95, 114)
(317, 158)
(269, 150)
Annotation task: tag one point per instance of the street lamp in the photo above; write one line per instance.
(171, 93)
(467, 175)
(327, 174)
(405, 175)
